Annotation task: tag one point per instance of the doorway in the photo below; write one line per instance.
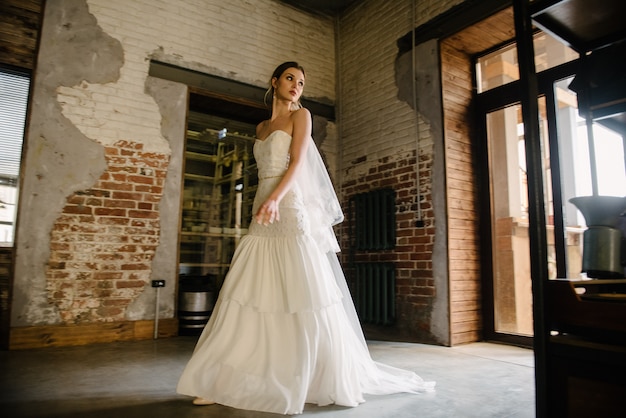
(506, 273)
(218, 185)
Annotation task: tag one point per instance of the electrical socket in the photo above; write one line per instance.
(158, 283)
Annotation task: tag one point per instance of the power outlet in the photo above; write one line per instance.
(158, 283)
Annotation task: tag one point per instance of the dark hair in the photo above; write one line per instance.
(276, 74)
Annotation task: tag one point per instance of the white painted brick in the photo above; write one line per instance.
(374, 122)
(243, 40)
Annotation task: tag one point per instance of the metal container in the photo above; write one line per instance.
(602, 258)
(196, 300)
(601, 253)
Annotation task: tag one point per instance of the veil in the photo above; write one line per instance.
(324, 210)
(320, 199)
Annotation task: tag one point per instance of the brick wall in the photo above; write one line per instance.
(103, 243)
(379, 137)
(412, 254)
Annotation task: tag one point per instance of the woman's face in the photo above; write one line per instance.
(289, 85)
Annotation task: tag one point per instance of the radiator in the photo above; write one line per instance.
(375, 220)
(375, 296)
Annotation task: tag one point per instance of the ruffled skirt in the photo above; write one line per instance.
(280, 337)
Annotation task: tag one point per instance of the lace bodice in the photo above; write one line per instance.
(272, 157)
(272, 154)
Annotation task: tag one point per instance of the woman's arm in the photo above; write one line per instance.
(268, 212)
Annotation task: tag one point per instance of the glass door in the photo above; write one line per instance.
(508, 200)
(505, 244)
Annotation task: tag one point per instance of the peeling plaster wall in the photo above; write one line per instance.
(103, 154)
(172, 101)
(431, 149)
(59, 159)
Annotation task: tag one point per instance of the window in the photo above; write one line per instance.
(500, 67)
(13, 103)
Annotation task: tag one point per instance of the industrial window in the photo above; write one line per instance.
(500, 67)
(13, 102)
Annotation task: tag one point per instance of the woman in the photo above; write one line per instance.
(284, 331)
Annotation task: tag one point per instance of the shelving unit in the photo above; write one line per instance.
(219, 185)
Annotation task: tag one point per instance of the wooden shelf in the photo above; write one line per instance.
(200, 157)
(198, 177)
(574, 313)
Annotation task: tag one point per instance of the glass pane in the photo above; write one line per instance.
(217, 199)
(13, 101)
(509, 218)
(219, 183)
(500, 67)
(576, 171)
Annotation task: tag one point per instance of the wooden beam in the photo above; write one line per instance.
(452, 21)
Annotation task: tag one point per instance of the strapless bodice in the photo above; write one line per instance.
(272, 159)
(272, 154)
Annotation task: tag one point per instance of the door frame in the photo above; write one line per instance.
(490, 101)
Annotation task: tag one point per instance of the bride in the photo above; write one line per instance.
(284, 331)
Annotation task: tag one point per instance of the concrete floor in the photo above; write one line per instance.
(138, 379)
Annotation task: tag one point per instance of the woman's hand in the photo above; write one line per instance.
(268, 212)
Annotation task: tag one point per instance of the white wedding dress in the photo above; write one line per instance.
(282, 334)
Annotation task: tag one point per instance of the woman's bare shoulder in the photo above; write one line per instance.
(303, 112)
(301, 116)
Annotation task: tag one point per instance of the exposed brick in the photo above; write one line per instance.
(75, 209)
(123, 169)
(114, 203)
(76, 200)
(115, 302)
(94, 193)
(59, 265)
(109, 212)
(119, 177)
(122, 284)
(100, 302)
(111, 221)
(144, 214)
(122, 195)
(141, 179)
(157, 190)
(107, 275)
(145, 206)
(117, 186)
(137, 266)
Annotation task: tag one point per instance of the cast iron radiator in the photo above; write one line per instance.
(375, 293)
(372, 229)
(375, 220)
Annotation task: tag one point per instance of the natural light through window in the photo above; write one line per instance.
(13, 103)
